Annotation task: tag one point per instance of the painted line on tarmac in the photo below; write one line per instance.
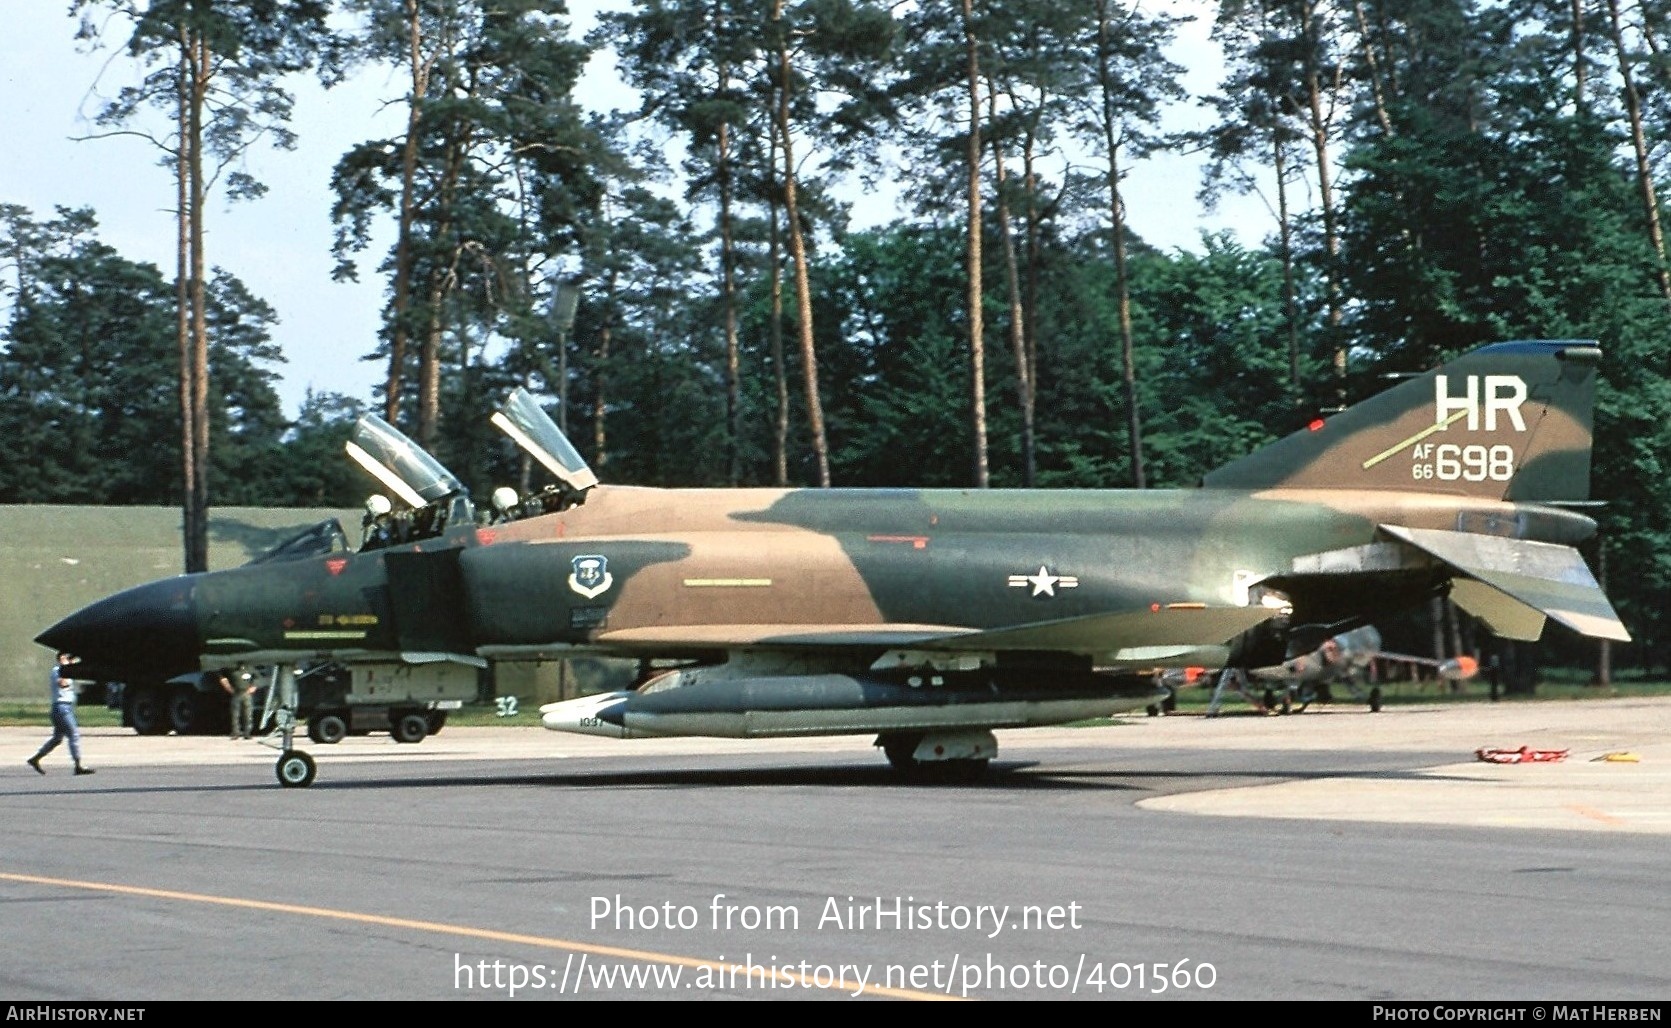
(1596, 815)
(441, 928)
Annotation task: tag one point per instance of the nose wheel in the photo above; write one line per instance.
(295, 770)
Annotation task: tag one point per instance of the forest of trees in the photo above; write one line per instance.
(1440, 174)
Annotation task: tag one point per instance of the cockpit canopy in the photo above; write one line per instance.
(399, 463)
(436, 498)
(522, 418)
(322, 539)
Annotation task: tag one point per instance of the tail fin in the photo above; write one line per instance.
(1510, 421)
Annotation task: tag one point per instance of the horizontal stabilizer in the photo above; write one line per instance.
(1513, 584)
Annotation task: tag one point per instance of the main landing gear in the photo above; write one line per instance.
(958, 756)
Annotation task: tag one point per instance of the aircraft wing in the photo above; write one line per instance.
(1142, 638)
(1513, 584)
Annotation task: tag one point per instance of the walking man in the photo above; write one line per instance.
(63, 690)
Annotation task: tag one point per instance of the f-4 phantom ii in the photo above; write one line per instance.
(1347, 660)
(929, 618)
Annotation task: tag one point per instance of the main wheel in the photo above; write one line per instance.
(1375, 700)
(409, 728)
(901, 751)
(295, 770)
(327, 729)
(148, 710)
(437, 720)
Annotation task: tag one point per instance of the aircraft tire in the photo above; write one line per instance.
(901, 751)
(148, 710)
(327, 729)
(408, 727)
(295, 770)
(1170, 704)
(1375, 700)
(437, 721)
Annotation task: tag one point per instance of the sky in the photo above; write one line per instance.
(280, 244)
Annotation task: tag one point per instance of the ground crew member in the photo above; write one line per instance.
(240, 688)
(62, 688)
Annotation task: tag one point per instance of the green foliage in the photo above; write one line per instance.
(89, 401)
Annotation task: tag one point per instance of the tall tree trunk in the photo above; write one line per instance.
(182, 318)
(1117, 221)
(780, 373)
(728, 291)
(401, 301)
(199, 543)
(1319, 122)
(1285, 243)
(797, 252)
(1018, 320)
(442, 285)
(1372, 61)
(977, 344)
(1638, 141)
(1035, 246)
(429, 368)
(1579, 74)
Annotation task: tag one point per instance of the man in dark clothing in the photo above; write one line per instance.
(240, 688)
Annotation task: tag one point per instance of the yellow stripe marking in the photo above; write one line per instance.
(440, 928)
(324, 635)
(740, 583)
(1595, 815)
(1418, 437)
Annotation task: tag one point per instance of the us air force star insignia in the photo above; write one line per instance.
(1044, 583)
(591, 577)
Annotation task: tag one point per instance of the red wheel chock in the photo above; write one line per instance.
(1524, 755)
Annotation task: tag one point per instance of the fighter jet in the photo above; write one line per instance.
(1348, 660)
(930, 618)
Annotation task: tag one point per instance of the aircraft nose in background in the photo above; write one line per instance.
(151, 627)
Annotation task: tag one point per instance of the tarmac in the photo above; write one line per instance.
(1612, 772)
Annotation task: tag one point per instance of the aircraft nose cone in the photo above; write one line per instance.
(149, 629)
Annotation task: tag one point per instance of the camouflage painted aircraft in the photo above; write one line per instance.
(1347, 660)
(930, 618)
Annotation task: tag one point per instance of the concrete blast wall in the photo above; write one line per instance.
(55, 560)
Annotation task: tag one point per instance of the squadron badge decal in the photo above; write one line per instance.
(591, 577)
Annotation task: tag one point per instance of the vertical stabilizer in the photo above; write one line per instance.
(1510, 421)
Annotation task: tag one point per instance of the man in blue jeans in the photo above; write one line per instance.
(62, 688)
